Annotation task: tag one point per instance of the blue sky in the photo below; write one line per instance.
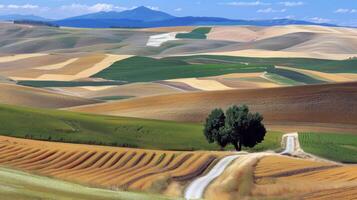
(342, 12)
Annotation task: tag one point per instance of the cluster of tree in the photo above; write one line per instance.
(237, 126)
(35, 23)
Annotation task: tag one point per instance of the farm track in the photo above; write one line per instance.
(108, 167)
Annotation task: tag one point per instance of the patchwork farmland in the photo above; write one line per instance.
(124, 113)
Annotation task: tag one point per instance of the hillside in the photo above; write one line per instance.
(324, 106)
(71, 127)
(27, 96)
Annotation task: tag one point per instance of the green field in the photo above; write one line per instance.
(64, 126)
(67, 83)
(333, 146)
(145, 69)
(328, 66)
(17, 185)
(198, 33)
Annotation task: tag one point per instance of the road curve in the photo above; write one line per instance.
(196, 189)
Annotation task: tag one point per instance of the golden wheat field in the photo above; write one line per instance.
(107, 167)
(290, 177)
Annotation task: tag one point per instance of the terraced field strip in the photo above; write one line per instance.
(108, 167)
(279, 175)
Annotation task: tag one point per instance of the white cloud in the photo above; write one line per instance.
(320, 20)
(291, 3)
(345, 11)
(153, 7)
(247, 3)
(99, 7)
(270, 10)
(178, 9)
(25, 6)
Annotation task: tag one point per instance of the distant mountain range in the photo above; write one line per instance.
(22, 17)
(143, 17)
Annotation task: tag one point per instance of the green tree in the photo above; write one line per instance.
(214, 128)
(238, 127)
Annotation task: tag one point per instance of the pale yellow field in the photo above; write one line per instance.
(58, 65)
(205, 85)
(132, 90)
(77, 69)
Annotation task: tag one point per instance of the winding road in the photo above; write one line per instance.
(196, 189)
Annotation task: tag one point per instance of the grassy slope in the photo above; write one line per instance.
(198, 33)
(141, 69)
(23, 186)
(329, 66)
(338, 147)
(73, 127)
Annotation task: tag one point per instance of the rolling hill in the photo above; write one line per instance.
(34, 97)
(295, 108)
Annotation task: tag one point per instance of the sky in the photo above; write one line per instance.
(341, 12)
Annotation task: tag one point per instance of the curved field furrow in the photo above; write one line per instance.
(108, 176)
(106, 162)
(27, 158)
(41, 163)
(129, 157)
(79, 161)
(92, 164)
(88, 161)
(117, 178)
(61, 165)
(54, 162)
(37, 158)
(13, 154)
(109, 167)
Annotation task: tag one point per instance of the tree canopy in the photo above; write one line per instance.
(237, 126)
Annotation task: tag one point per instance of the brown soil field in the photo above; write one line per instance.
(108, 167)
(327, 104)
(296, 178)
(34, 97)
